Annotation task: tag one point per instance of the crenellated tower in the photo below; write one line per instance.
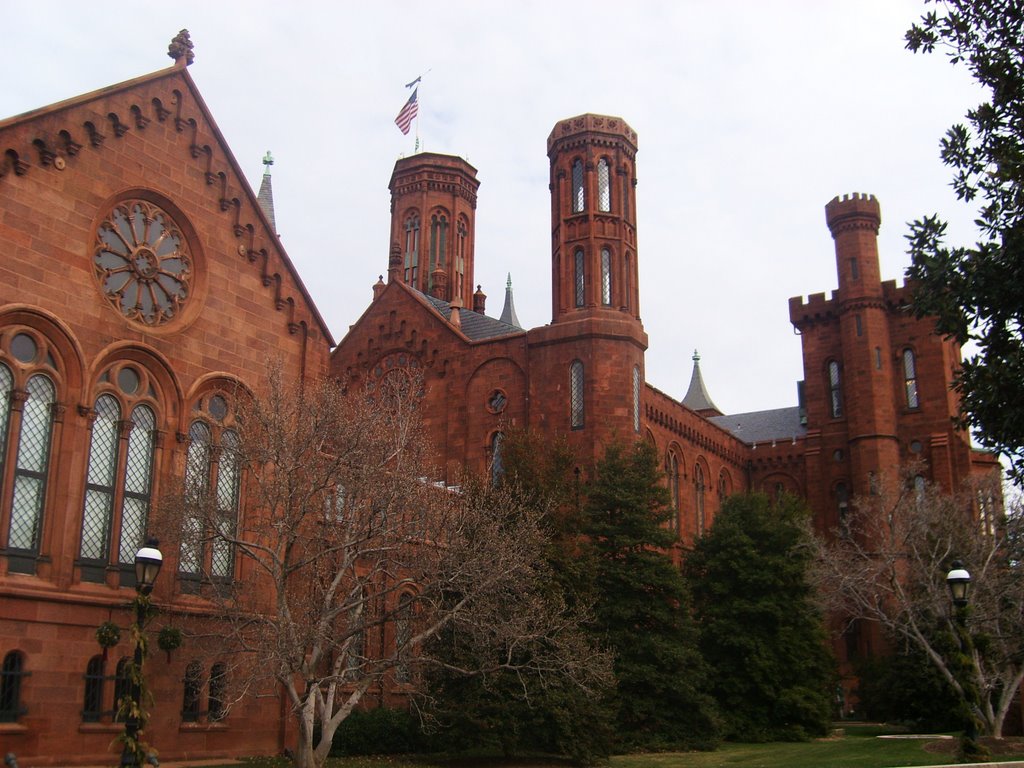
(866, 391)
(433, 212)
(587, 366)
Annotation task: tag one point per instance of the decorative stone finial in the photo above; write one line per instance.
(268, 160)
(181, 49)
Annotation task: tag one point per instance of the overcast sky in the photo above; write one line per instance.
(751, 115)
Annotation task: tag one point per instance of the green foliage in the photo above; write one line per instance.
(907, 688)
(379, 731)
(169, 639)
(760, 630)
(108, 634)
(976, 293)
(643, 607)
(502, 711)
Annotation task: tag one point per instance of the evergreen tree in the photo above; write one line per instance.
(504, 711)
(643, 607)
(760, 630)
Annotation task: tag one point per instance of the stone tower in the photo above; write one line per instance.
(433, 210)
(589, 361)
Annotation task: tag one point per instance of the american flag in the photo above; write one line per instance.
(408, 113)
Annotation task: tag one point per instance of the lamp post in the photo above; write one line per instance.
(959, 582)
(147, 566)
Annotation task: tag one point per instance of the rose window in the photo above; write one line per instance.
(143, 263)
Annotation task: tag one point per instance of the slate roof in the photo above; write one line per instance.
(761, 426)
(508, 312)
(474, 325)
(697, 397)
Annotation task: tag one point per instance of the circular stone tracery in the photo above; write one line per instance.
(142, 262)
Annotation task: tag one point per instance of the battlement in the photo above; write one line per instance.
(857, 209)
(816, 307)
(614, 128)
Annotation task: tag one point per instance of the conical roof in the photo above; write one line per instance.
(266, 193)
(697, 397)
(508, 312)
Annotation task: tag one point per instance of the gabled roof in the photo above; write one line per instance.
(176, 71)
(761, 426)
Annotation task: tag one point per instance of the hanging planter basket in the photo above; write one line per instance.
(108, 634)
(168, 640)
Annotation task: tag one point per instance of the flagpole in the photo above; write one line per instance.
(416, 147)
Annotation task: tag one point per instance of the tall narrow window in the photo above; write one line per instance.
(699, 491)
(497, 465)
(627, 294)
(138, 481)
(604, 189)
(99, 483)
(6, 385)
(197, 460)
(672, 471)
(910, 378)
(835, 390)
(216, 709)
(636, 398)
(192, 686)
(606, 277)
(576, 395)
(32, 462)
(854, 272)
(122, 685)
(403, 634)
(11, 673)
(460, 258)
(412, 248)
(843, 509)
(578, 196)
(625, 197)
(578, 275)
(92, 704)
(227, 505)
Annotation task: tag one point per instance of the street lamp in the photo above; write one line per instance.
(959, 582)
(147, 567)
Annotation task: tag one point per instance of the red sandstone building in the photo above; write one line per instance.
(143, 282)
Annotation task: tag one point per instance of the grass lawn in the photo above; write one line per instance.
(858, 748)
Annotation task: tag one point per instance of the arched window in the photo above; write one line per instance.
(579, 201)
(835, 395)
(843, 508)
(627, 293)
(192, 686)
(604, 188)
(460, 257)
(403, 634)
(122, 685)
(672, 473)
(606, 277)
(92, 704)
(497, 465)
(699, 491)
(412, 248)
(578, 275)
(576, 395)
(212, 464)
(31, 465)
(910, 378)
(11, 673)
(636, 398)
(724, 485)
(117, 503)
(216, 708)
(438, 246)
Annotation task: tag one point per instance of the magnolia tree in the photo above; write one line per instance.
(888, 563)
(351, 559)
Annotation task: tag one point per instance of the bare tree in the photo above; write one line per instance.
(888, 563)
(351, 559)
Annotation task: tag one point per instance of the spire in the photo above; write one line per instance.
(697, 397)
(508, 312)
(266, 195)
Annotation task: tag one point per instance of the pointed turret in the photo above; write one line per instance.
(508, 312)
(266, 194)
(697, 397)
